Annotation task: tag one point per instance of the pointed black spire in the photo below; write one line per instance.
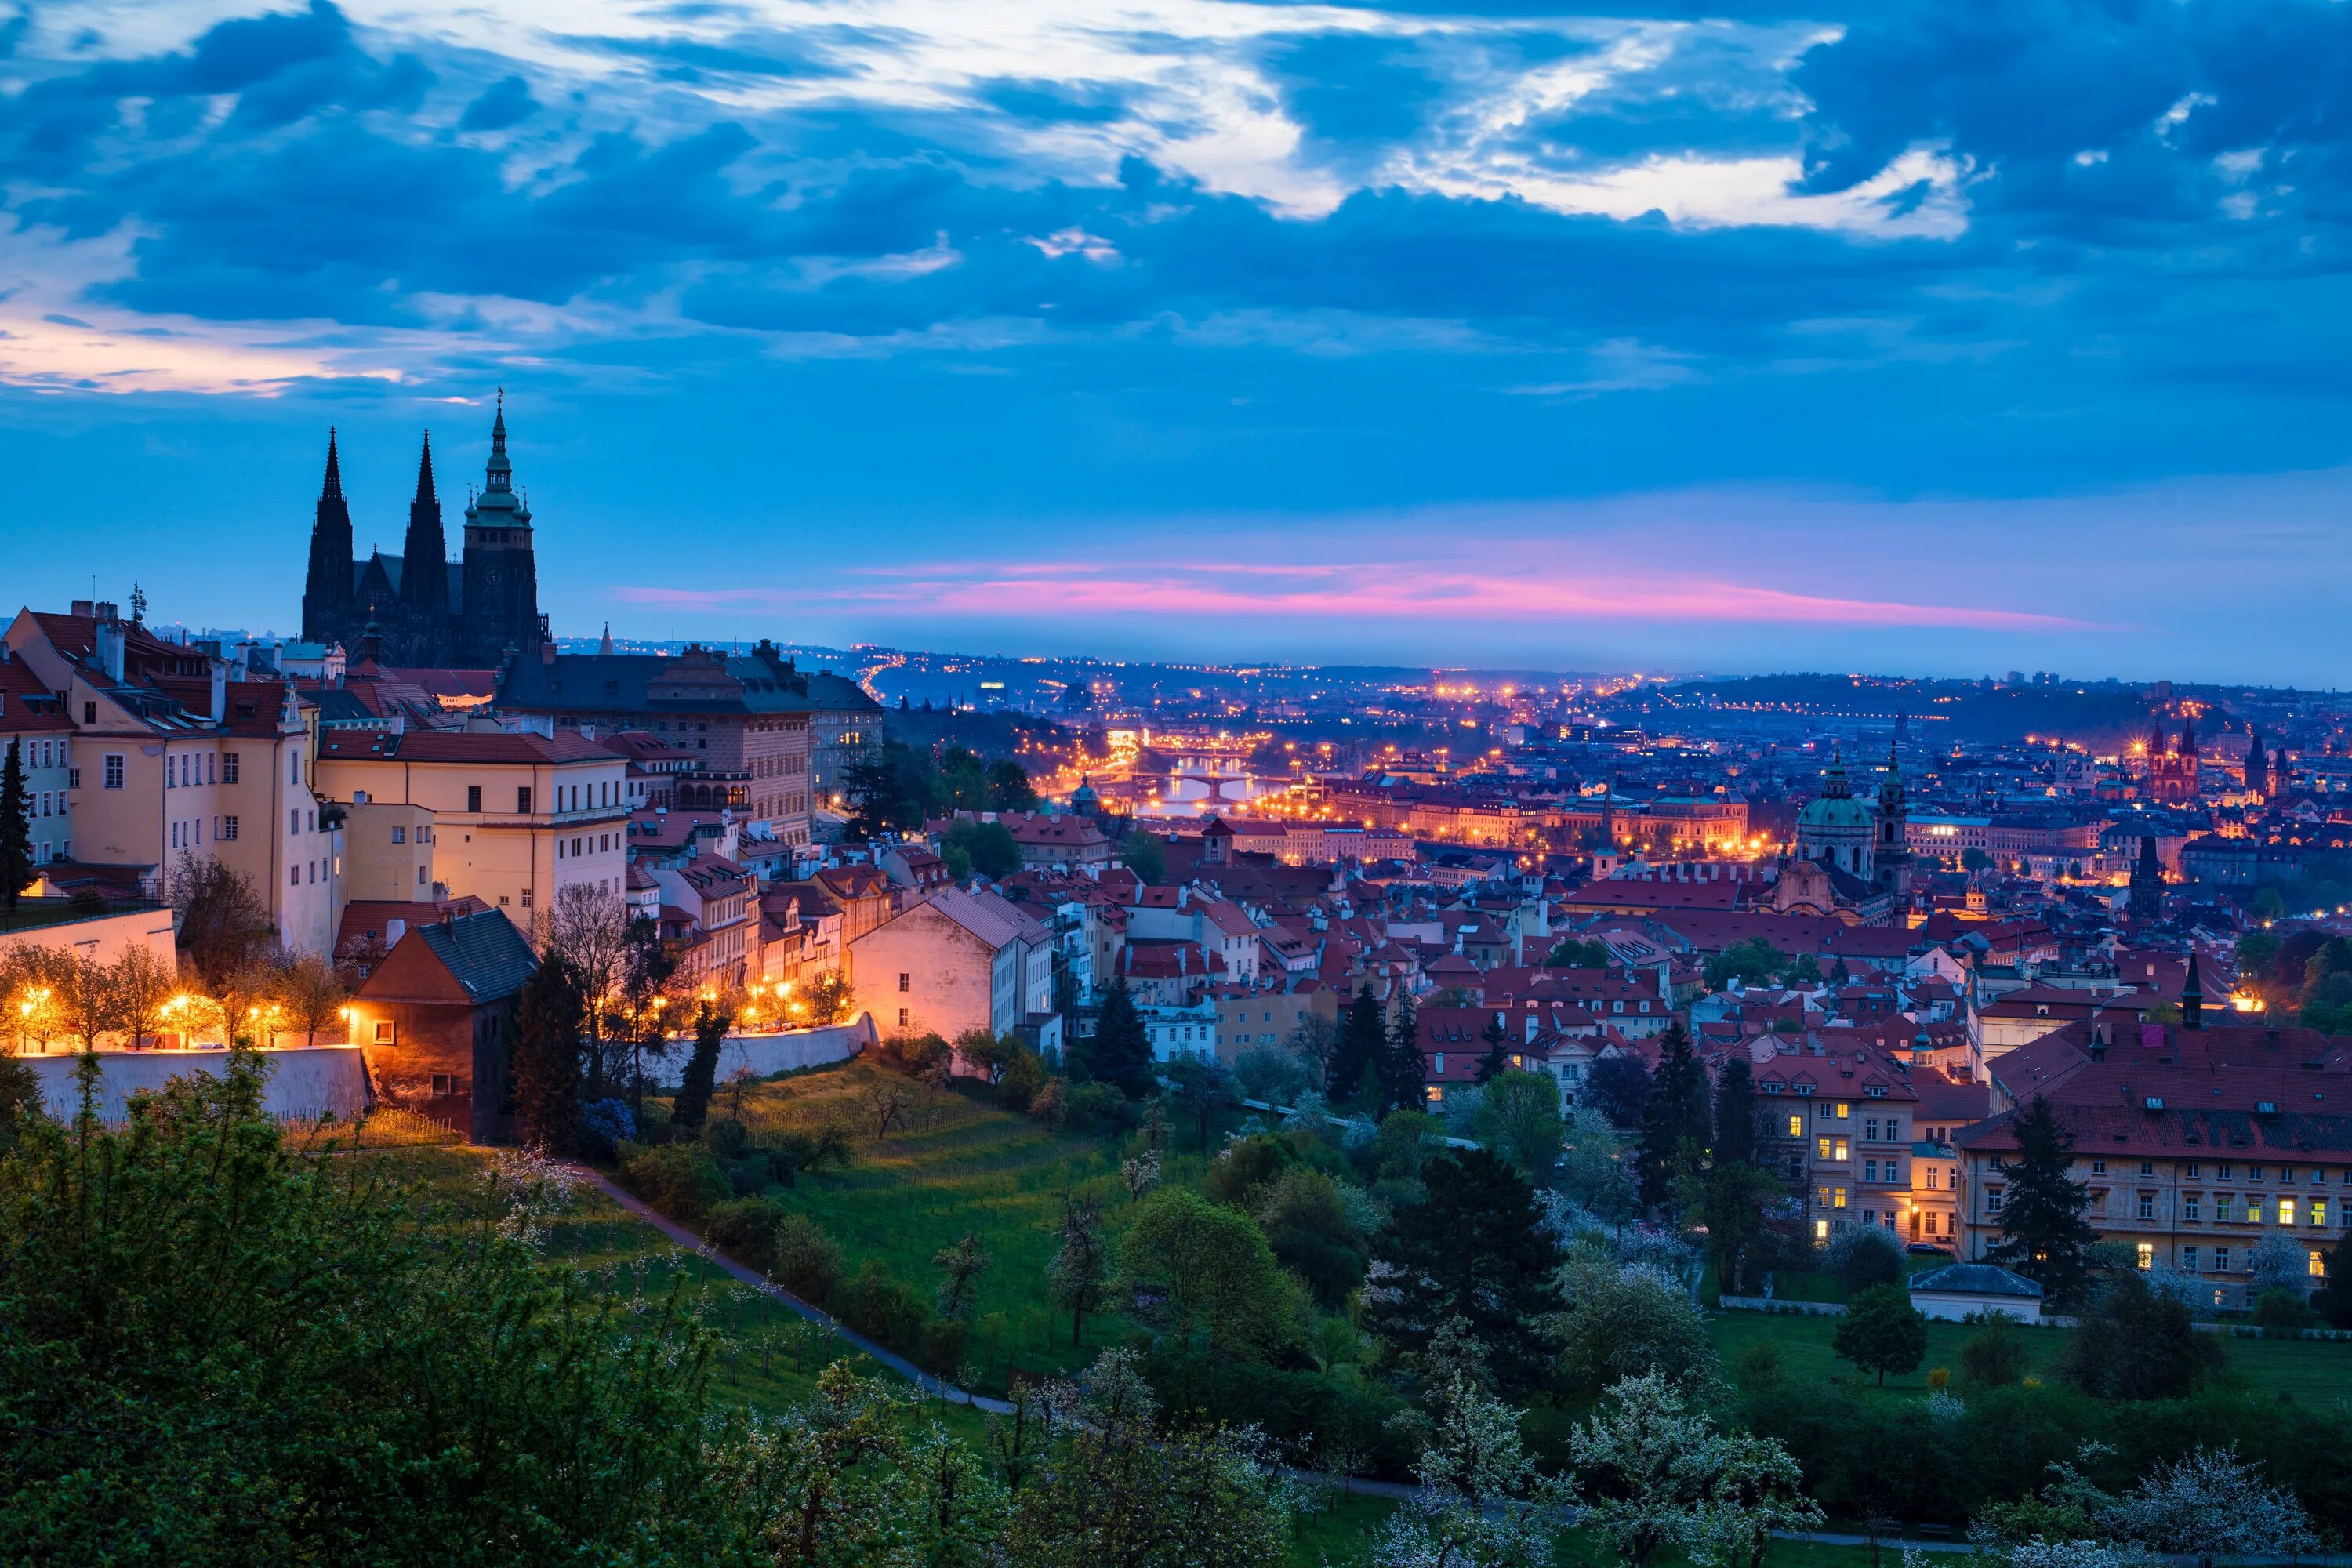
(326, 585)
(332, 489)
(425, 553)
(2192, 996)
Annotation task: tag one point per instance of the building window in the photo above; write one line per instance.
(2189, 1260)
(383, 1031)
(902, 1017)
(228, 767)
(294, 876)
(444, 1085)
(904, 983)
(113, 778)
(2317, 1266)
(2222, 1261)
(2253, 1210)
(2320, 1212)
(1844, 1110)
(522, 800)
(2146, 1252)
(2098, 1167)
(2147, 1206)
(2286, 1211)
(400, 835)
(2190, 1206)
(473, 797)
(2222, 1208)
(1837, 1198)
(1796, 1127)
(1993, 1200)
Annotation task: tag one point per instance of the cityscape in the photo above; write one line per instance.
(1081, 894)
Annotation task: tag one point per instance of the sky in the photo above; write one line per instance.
(1902, 336)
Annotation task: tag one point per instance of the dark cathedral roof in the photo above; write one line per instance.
(393, 566)
(651, 683)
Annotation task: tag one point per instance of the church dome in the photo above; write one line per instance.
(1833, 813)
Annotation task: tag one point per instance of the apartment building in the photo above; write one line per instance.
(1842, 1115)
(506, 818)
(34, 720)
(171, 761)
(2197, 1141)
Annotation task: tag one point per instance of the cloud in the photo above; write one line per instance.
(504, 105)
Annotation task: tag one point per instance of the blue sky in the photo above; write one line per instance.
(1904, 336)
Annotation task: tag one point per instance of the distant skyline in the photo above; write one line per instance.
(1900, 337)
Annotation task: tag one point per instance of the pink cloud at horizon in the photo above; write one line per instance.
(1405, 591)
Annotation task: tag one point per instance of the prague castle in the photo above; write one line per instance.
(419, 607)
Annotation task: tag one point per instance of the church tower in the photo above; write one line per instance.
(2147, 885)
(424, 570)
(2258, 767)
(1894, 856)
(327, 587)
(501, 574)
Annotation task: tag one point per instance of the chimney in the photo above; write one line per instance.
(84, 607)
(110, 648)
(219, 670)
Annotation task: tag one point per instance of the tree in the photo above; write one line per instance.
(1009, 788)
(1618, 1086)
(647, 970)
(1575, 952)
(1735, 1114)
(1143, 854)
(1307, 1223)
(309, 991)
(15, 825)
(143, 989)
(1804, 970)
(1120, 1051)
(691, 1107)
(549, 1020)
(1404, 1071)
(1316, 1042)
(886, 1101)
(1363, 1037)
(1728, 1197)
(2211, 1503)
(87, 1002)
(221, 1347)
(1592, 1167)
(1079, 1274)
(1215, 1270)
(1199, 1087)
(222, 924)
(1272, 1076)
(1117, 1490)
(1496, 1059)
(960, 1268)
(1995, 1355)
(1645, 1468)
(1674, 1122)
(1518, 1118)
(1975, 859)
(1474, 1248)
(2137, 1344)
(986, 847)
(1620, 1320)
(1881, 1331)
(888, 790)
(2279, 1263)
(1755, 1492)
(1482, 1503)
(2043, 1234)
(1751, 961)
(827, 999)
(589, 928)
(2335, 1300)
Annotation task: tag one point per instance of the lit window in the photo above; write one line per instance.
(2146, 1250)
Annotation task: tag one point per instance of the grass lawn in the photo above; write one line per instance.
(1343, 1536)
(2312, 1370)
(769, 1357)
(960, 1165)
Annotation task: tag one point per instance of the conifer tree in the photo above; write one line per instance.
(2043, 1234)
(1121, 1050)
(1735, 1113)
(1406, 1071)
(1496, 1059)
(1677, 1113)
(550, 1021)
(1361, 1037)
(15, 829)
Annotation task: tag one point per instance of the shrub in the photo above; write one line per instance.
(725, 1138)
(1048, 1105)
(752, 1174)
(925, 1057)
(1240, 1176)
(1863, 1255)
(2286, 1309)
(681, 1180)
(1758, 1364)
(804, 1149)
(942, 1350)
(1994, 1356)
(2136, 1344)
(1098, 1108)
(605, 1125)
(1268, 1074)
(745, 1229)
(804, 1259)
(880, 1307)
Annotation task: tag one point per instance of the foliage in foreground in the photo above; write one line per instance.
(214, 1349)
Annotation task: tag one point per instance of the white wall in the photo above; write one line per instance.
(302, 1083)
(765, 1054)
